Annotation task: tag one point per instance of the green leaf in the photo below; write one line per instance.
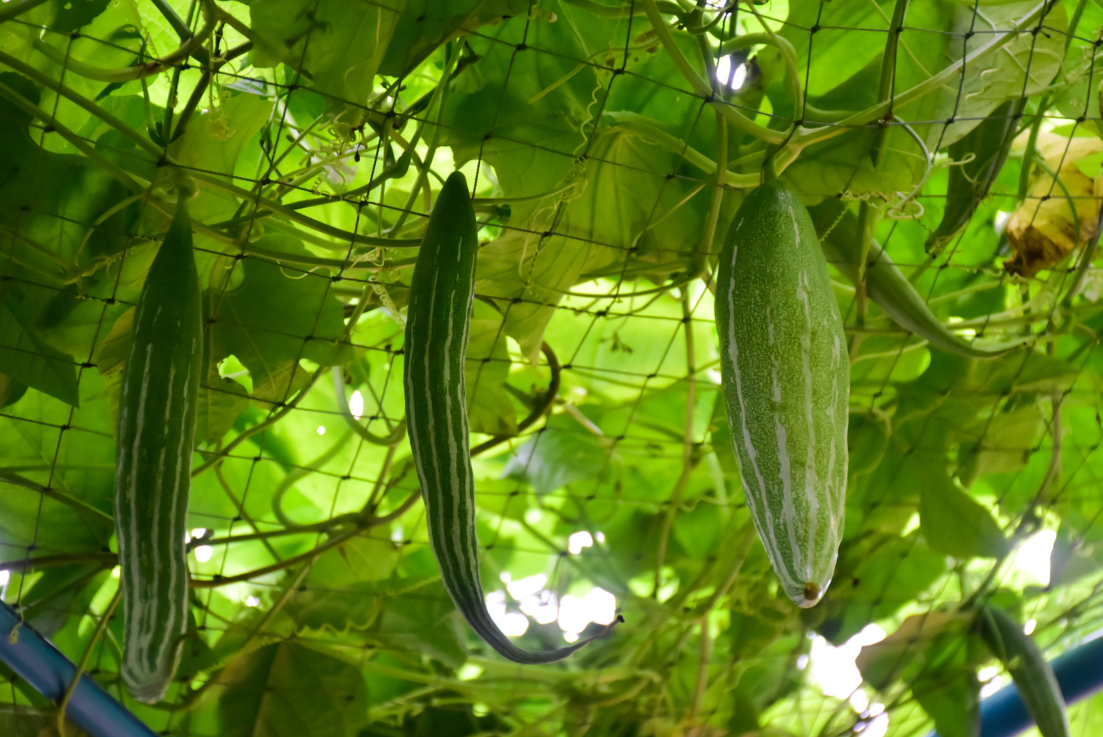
(221, 400)
(885, 662)
(341, 46)
(1002, 76)
(952, 700)
(558, 455)
(424, 621)
(49, 602)
(346, 587)
(24, 354)
(272, 321)
(212, 144)
(1091, 165)
(954, 523)
(489, 408)
(289, 689)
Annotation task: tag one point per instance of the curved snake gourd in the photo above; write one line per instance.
(786, 377)
(437, 322)
(1032, 675)
(156, 434)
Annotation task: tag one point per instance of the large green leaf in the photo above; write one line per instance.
(292, 688)
(273, 321)
(953, 522)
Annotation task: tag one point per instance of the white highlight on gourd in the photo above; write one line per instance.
(748, 445)
(836, 352)
(356, 404)
(796, 228)
(133, 656)
(810, 480)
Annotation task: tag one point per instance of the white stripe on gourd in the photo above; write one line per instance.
(786, 385)
(437, 325)
(153, 470)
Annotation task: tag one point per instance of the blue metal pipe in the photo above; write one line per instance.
(1079, 674)
(39, 663)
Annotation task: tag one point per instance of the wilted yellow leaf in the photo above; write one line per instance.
(1043, 229)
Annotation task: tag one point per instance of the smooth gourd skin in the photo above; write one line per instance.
(437, 322)
(786, 378)
(1033, 676)
(156, 433)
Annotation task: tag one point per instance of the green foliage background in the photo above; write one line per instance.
(606, 168)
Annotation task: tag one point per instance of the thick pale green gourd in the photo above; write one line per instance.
(156, 432)
(437, 322)
(786, 378)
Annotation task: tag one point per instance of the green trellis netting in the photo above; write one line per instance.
(608, 144)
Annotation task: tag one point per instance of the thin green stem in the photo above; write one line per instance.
(788, 56)
(926, 87)
(700, 85)
(1031, 146)
(225, 484)
(292, 215)
(18, 7)
(103, 559)
(646, 129)
(244, 435)
(79, 143)
(7, 477)
(139, 71)
(299, 473)
(217, 581)
(702, 261)
(341, 520)
(96, 635)
(393, 438)
(441, 93)
(1074, 23)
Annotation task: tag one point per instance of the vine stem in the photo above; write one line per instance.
(788, 55)
(344, 236)
(931, 84)
(294, 476)
(96, 634)
(702, 671)
(538, 412)
(140, 71)
(690, 456)
(701, 86)
(105, 559)
(218, 581)
(262, 425)
(79, 143)
(441, 95)
(17, 9)
(7, 477)
(709, 236)
(391, 439)
(225, 484)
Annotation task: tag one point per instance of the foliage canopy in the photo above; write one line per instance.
(609, 143)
